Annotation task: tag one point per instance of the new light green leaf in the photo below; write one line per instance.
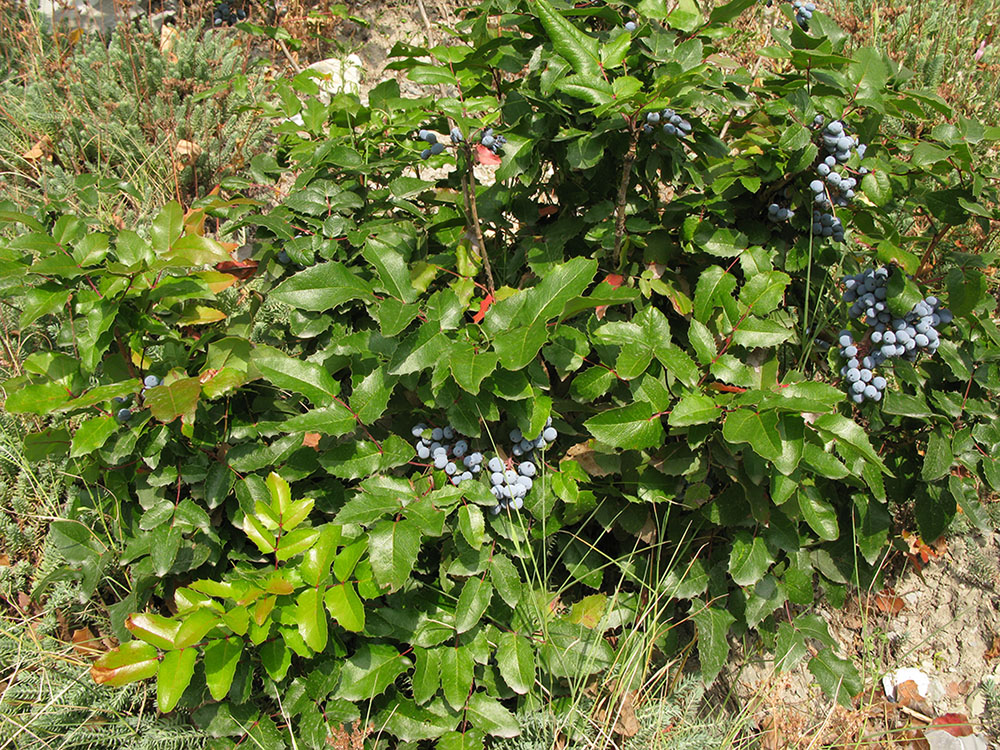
(130, 662)
(173, 677)
(346, 607)
(311, 618)
(221, 658)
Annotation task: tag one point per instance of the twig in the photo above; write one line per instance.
(925, 260)
(915, 714)
(622, 195)
(288, 56)
(469, 190)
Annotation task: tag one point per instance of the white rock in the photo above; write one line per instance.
(891, 680)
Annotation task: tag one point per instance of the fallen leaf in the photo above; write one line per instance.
(888, 602)
(647, 534)
(187, 153)
(907, 693)
(994, 649)
(41, 150)
(770, 736)
(957, 725)
(4, 560)
(85, 642)
(626, 723)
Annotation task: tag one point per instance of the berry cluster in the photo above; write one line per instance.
(862, 382)
(510, 480)
(446, 455)
(778, 213)
(510, 487)
(493, 142)
(803, 13)
(124, 414)
(435, 148)
(673, 123)
(888, 336)
(224, 14)
(456, 136)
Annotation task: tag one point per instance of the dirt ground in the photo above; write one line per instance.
(940, 617)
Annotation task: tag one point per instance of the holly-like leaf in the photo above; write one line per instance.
(472, 603)
(308, 378)
(516, 660)
(346, 607)
(838, 677)
(634, 427)
(392, 549)
(749, 559)
(311, 618)
(369, 671)
(178, 399)
(712, 624)
(322, 287)
(758, 429)
(457, 673)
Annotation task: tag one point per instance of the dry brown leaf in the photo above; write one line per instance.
(647, 534)
(168, 38)
(586, 457)
(187, 153)
(4, 560)
(627, 724)
(85, 642)
(41, 150)
(311, 440)
(888, 602)
(994, 650)
(770, 737)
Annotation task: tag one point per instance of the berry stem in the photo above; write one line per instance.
(469, 191)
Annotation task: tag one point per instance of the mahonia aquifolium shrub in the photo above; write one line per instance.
(229, 14)
(276, 525)
(124, 413)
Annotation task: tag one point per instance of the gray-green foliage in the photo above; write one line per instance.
(115, 113)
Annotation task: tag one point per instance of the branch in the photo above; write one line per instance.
(469, 191)
(622, 195)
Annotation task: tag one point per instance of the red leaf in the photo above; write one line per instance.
(614, 280)
(547, 210)
(241, 269)
(483, 307)
(485, 156)
(957, 725)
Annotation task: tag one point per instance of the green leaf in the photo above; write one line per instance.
(749, 559)
(472, 603)
(195, 627)
(472, 525)
(369, 671)
(847, 431)
(155, 629)
(308, 378)
(173, 677)
(392, 549)
(322, 287)
(693, 408)
(760, 430)
(426, 674)
(178, 399)
(938, 458)
(276, 658)
(516, 660)
(488, 715)
(167, 227)
(505, 579)
(295, 543)
(130, 662)
(579, 50)
(37, 399)
(346, 607)
(315, 565)
(634, 427)
(712, 625)
(92, 434)
(221, 658)
(818, 513)
(764, 292)
(715, 289)
(877, 188)
(838, 677)
(468, 739)
(470, 368)
(789, 647)
(457, 674)
(393, 271)
(517, 347)
(677, 362)
(311, 619)
(411, 723)
(757, 332)
(422, 350)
